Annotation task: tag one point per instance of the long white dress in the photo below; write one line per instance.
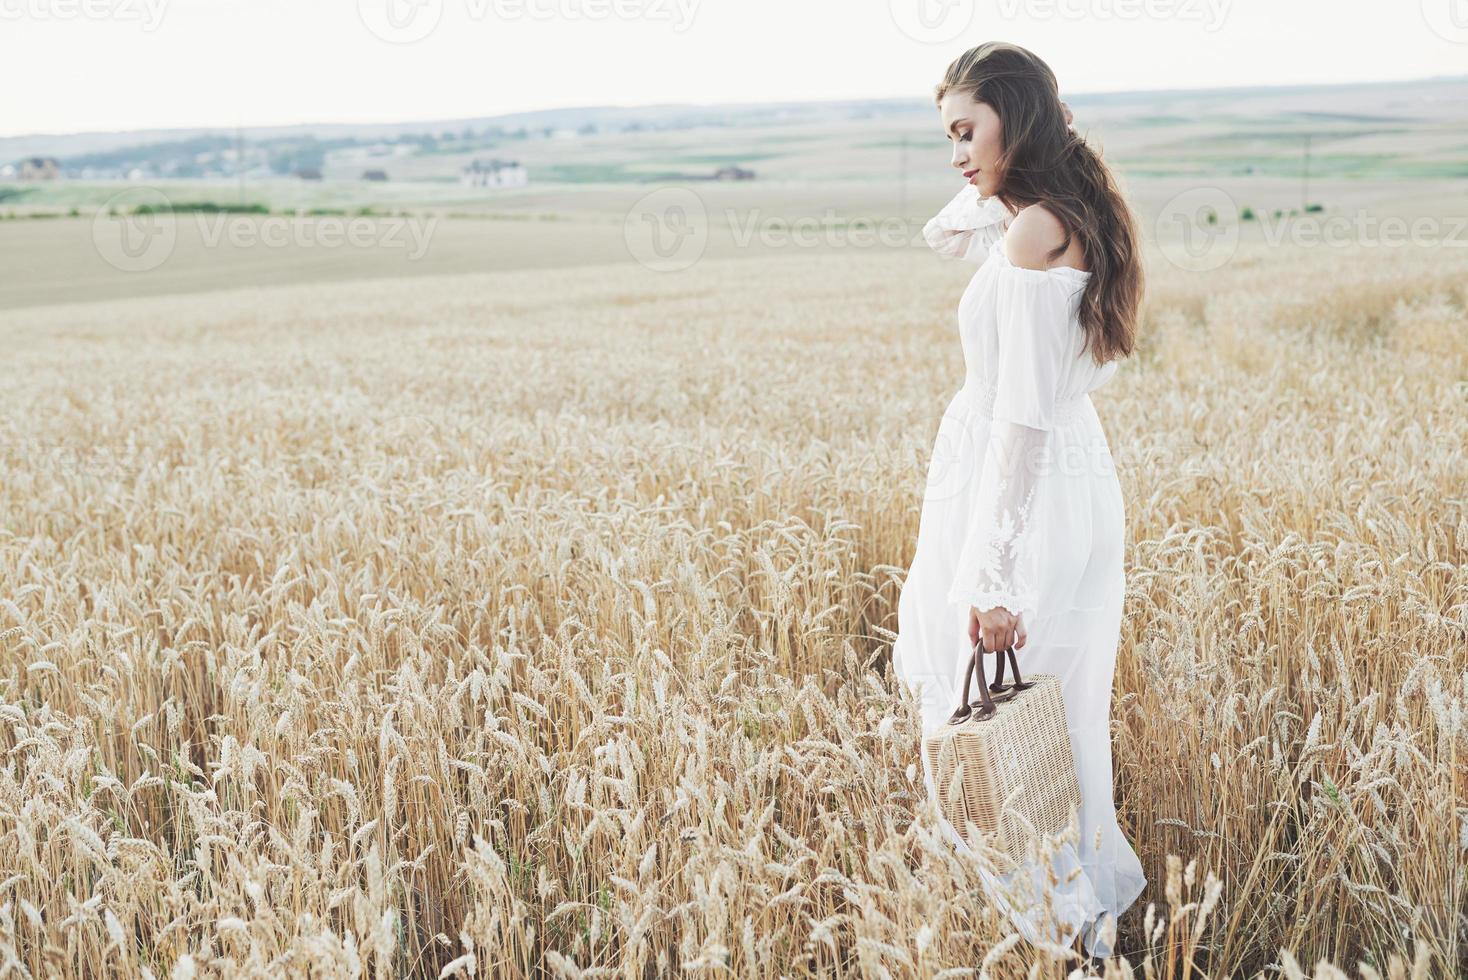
(1023, 509)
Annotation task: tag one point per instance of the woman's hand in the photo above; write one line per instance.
(1066, 109)
(999, 628)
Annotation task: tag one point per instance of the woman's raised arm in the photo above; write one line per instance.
(967, 225)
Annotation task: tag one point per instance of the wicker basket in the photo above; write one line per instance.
(1013, 739)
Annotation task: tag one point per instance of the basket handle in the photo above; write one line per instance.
(986, 706)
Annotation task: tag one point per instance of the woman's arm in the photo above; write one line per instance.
(967, 226)
(998, 564)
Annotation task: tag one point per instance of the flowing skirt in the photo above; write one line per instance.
(1075, 638)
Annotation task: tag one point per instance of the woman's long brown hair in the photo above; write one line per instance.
(1045, 162)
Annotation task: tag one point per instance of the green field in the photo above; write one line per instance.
(1375, 151)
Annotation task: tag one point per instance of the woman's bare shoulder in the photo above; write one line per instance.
(1033, 234)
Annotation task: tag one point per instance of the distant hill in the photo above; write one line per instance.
(1394, 130)
(1367, 97)
(655, 117)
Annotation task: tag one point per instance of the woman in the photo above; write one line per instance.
(1021, 536)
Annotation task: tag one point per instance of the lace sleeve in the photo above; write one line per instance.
(967, 226)
(998, 564)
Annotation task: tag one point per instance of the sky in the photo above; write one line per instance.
(88, 65)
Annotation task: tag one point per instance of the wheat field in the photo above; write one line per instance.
(539, 624)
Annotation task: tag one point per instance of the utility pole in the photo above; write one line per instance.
(239, 160)
(902, 180)
(1305, 182)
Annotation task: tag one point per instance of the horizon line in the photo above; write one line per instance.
(1069, 97)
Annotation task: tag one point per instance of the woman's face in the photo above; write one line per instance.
(974, 129)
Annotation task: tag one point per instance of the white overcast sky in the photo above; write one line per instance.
(81, 65)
